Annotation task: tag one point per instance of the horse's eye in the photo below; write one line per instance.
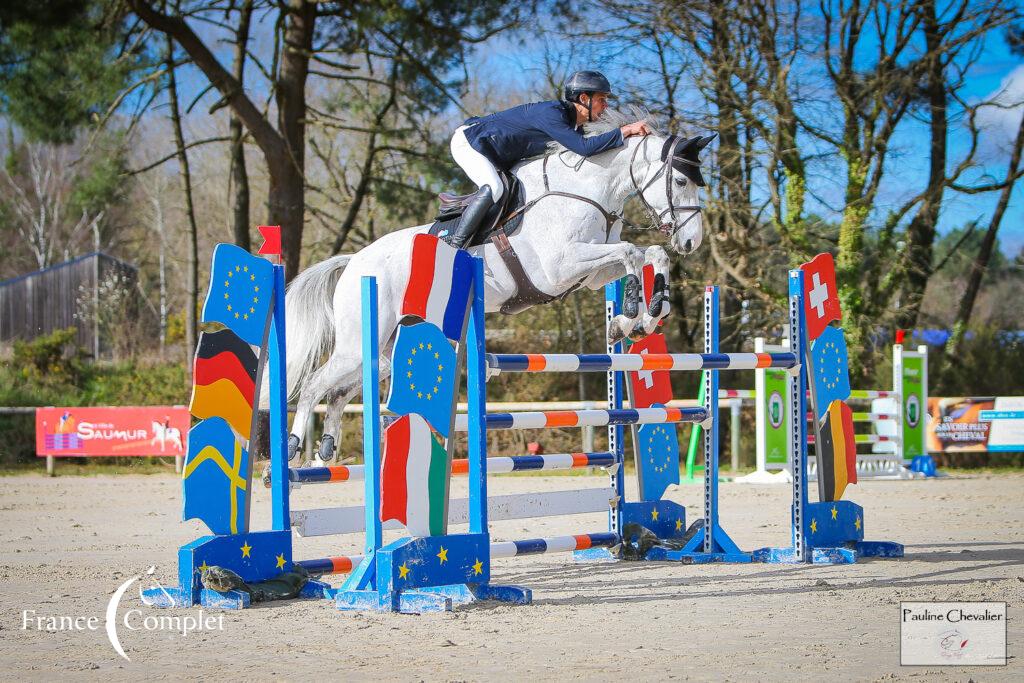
(679, 181)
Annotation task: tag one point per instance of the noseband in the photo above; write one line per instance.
(657, 218)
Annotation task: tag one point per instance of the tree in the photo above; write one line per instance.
(325, 34)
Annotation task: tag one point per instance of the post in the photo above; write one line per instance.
(797, 396)
(179, 462)
(710, 381)
(476, 387)
(760, 413)
(281, 512)
(371, 415)
(51, 466)
(734, 432)
(616, 433)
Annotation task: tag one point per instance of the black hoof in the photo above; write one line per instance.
(326, 450)
(631, 296)
(293, 446)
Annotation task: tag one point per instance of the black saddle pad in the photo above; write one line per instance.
(452, 207)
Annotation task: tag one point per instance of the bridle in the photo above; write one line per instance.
(669, 229)
(670, 159)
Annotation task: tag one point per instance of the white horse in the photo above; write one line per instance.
(568, 239)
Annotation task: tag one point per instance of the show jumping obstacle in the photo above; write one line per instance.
(897, 417)
(435, 572)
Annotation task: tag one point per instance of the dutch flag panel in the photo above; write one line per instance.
(439, 285)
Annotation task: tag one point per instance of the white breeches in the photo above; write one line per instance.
(478, 167)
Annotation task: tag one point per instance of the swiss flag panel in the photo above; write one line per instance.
(650, 386)
(821, 298)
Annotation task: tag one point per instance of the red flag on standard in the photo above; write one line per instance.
(271, 240)
(821, 298)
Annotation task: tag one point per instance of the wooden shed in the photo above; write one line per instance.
(51, 299)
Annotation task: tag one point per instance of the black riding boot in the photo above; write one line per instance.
(472, 216)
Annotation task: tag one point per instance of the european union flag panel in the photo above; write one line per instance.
(658, 461)
(830, 369)
(423, 376)
(821, 297)
(440, 278)
(241, 293)
(216, 478)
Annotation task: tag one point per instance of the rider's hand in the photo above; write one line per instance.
(638, 128)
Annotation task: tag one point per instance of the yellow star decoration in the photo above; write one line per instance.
(252, 277)
(834, 512)
(662, 434)
(403, 571)
(857, 523)
(230, 274)
(245, 549)
(679, 525)
(654, 515)
(814, 526)
(443, 555)
(425, 394)
(203, 567)
(246, 269)
(478, 567)
(280, 561)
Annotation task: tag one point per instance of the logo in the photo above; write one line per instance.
(952, 644)
(775, 410)
(953, 633)
(912, 410)
(131, 620)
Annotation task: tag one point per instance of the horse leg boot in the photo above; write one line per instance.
(472, 217)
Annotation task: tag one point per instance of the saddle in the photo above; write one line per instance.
(499, 219)
(500, 223)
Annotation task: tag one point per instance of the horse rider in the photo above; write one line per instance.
(484, 144)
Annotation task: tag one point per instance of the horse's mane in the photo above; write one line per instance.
(610, 120)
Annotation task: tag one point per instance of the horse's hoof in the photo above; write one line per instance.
(632, 291)
(615, 334)
(326, 449)
(293, 446)
(638, 333)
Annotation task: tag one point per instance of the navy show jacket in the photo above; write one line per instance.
(508, 137)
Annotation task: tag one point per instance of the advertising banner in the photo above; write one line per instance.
(115, 431)
(976, 424)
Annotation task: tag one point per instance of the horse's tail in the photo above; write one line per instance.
(310, 319)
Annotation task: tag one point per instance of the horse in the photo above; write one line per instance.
(570, 236)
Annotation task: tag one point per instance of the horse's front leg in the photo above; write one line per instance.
(659, 306)
(588, 263)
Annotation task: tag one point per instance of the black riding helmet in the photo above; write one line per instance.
(588, 82)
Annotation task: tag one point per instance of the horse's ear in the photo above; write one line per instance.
(703, 142)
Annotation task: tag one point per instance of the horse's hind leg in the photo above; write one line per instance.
(321, 381)
(332, 421)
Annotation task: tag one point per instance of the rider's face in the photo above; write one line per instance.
(598, 103)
